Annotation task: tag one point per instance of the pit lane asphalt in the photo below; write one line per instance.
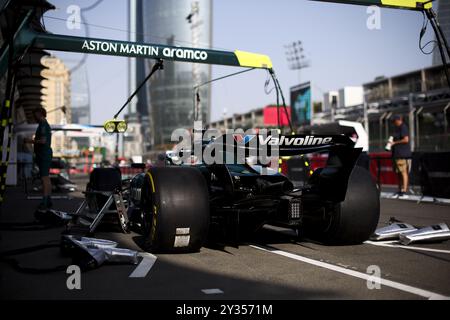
(304, 270)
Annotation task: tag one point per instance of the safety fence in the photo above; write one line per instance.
(430, 171)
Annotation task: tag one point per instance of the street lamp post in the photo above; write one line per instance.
(295, 57)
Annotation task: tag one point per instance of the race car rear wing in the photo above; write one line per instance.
(282, 145)
(330, 182)
(291, 145)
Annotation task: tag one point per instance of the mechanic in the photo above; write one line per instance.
(43, 154)
(401, 156)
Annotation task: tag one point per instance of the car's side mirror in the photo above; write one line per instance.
(115, 126)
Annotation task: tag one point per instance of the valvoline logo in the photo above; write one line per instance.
(243, 138)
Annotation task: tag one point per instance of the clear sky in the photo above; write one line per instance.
(341, 49)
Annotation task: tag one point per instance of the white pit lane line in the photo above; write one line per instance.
(388, 283)
(396, 244)
(148, 260)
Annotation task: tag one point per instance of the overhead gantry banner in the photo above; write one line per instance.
(151, 51)
(399, 4)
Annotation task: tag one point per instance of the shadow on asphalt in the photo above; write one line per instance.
(180, 276)
(172, 277)
(430, 255)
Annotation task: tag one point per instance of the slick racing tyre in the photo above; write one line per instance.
(175, 209)
(353, 220)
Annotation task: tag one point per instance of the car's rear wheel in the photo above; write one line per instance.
(175, 207)
(353, 220)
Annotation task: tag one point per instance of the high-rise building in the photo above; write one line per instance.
(443, 12)
(170, 92)
(81, 111)
(141, 103)
(56, 100)
(134, 144)
(80, 98)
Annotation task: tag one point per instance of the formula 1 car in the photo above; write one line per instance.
(179, 207)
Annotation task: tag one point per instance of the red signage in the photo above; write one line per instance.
(271, 116)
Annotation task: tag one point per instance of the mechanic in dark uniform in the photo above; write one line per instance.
(401, 154)
(43, 154)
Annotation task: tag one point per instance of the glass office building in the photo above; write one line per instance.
(80, 99)
(170, 92)
(81, 111)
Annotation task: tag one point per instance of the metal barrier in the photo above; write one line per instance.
(381, 168)
(435, 174)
